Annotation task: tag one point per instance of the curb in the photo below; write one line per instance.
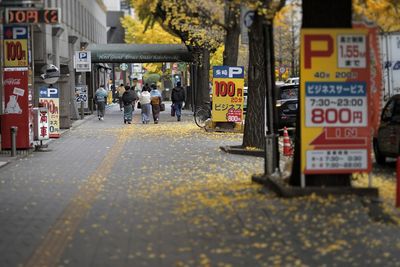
(239, 150)
(287, 191)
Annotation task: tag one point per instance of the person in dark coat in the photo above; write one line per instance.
(177, 97)
(128, 98)
(155, 97)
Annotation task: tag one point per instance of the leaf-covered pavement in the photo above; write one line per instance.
(165, 195)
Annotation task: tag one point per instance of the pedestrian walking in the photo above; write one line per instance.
(101, 98)
(145, 100)
(177, 97)
(155, 98)
(146, 87)
(120, 92)
(129, 99)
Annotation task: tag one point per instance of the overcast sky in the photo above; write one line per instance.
(113, 5)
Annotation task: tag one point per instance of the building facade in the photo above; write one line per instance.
(82, 22)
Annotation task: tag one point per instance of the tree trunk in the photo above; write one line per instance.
(321, 14)
(202, 77)
(232, 15)
(254, 124)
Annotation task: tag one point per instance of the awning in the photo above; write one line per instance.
(139, 53)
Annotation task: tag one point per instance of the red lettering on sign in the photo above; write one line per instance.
(32, 16)
(20, 16)
(223, 89)
(15, 51)
(54, 16)
(309, 53)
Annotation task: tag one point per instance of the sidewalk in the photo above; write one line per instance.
(109, 194)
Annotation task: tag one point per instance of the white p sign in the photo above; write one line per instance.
(52, 92)
(234, 71)
(19, 32)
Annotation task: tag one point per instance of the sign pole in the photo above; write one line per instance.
(398, 183)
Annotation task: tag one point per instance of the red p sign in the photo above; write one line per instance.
(309, 53)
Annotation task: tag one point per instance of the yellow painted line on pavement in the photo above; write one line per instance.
(50, 250)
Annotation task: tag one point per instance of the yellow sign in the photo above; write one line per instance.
(334, 87)
(15, 53)
(228, 95)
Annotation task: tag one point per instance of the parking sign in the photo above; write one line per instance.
(83, 61)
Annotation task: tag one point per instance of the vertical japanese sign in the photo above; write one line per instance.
(41, 126)
(227, 96)
(335, 134)
(15, 46)
(81, 95)
(49, 98)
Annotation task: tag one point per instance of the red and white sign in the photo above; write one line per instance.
(16, 111)
(41, 124)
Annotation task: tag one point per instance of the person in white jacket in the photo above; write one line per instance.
(145, 100)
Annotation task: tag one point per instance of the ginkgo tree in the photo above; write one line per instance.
(137, 33)
(186, 20)
(287, 38)
(385, 13)
(261, 72)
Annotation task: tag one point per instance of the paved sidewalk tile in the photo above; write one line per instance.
(109, 194)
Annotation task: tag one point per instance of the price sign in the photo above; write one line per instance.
(334, 86)
(227, 99)
(352, 51)
(15, 46)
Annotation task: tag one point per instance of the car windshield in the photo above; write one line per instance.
(289, 93)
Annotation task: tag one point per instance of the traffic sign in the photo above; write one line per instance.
(83, 61)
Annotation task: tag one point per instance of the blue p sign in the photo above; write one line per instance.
(82, 55)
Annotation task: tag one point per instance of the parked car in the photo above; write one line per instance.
(293, 80)
(287, 112)
(387, 142)
(287, 104)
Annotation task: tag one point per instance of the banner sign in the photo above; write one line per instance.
(375, 77)
(227, 95)
(83, 61)
(334, 89)
(81, 95)
(41, 125)
(49, 98)
(15, 46)
(32, 16)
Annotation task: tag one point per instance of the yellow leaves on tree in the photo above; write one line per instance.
(135, 33)
(385, 13)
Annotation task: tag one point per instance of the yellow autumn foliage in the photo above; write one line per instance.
(385, 13)
(135, 33)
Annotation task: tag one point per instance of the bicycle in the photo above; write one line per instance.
(202, 114)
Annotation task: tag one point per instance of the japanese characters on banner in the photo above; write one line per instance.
(335, 134)
(81, 95)
(227, 97)
(375, 77)
(49, 98)
(15, 46)
(41, 126)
